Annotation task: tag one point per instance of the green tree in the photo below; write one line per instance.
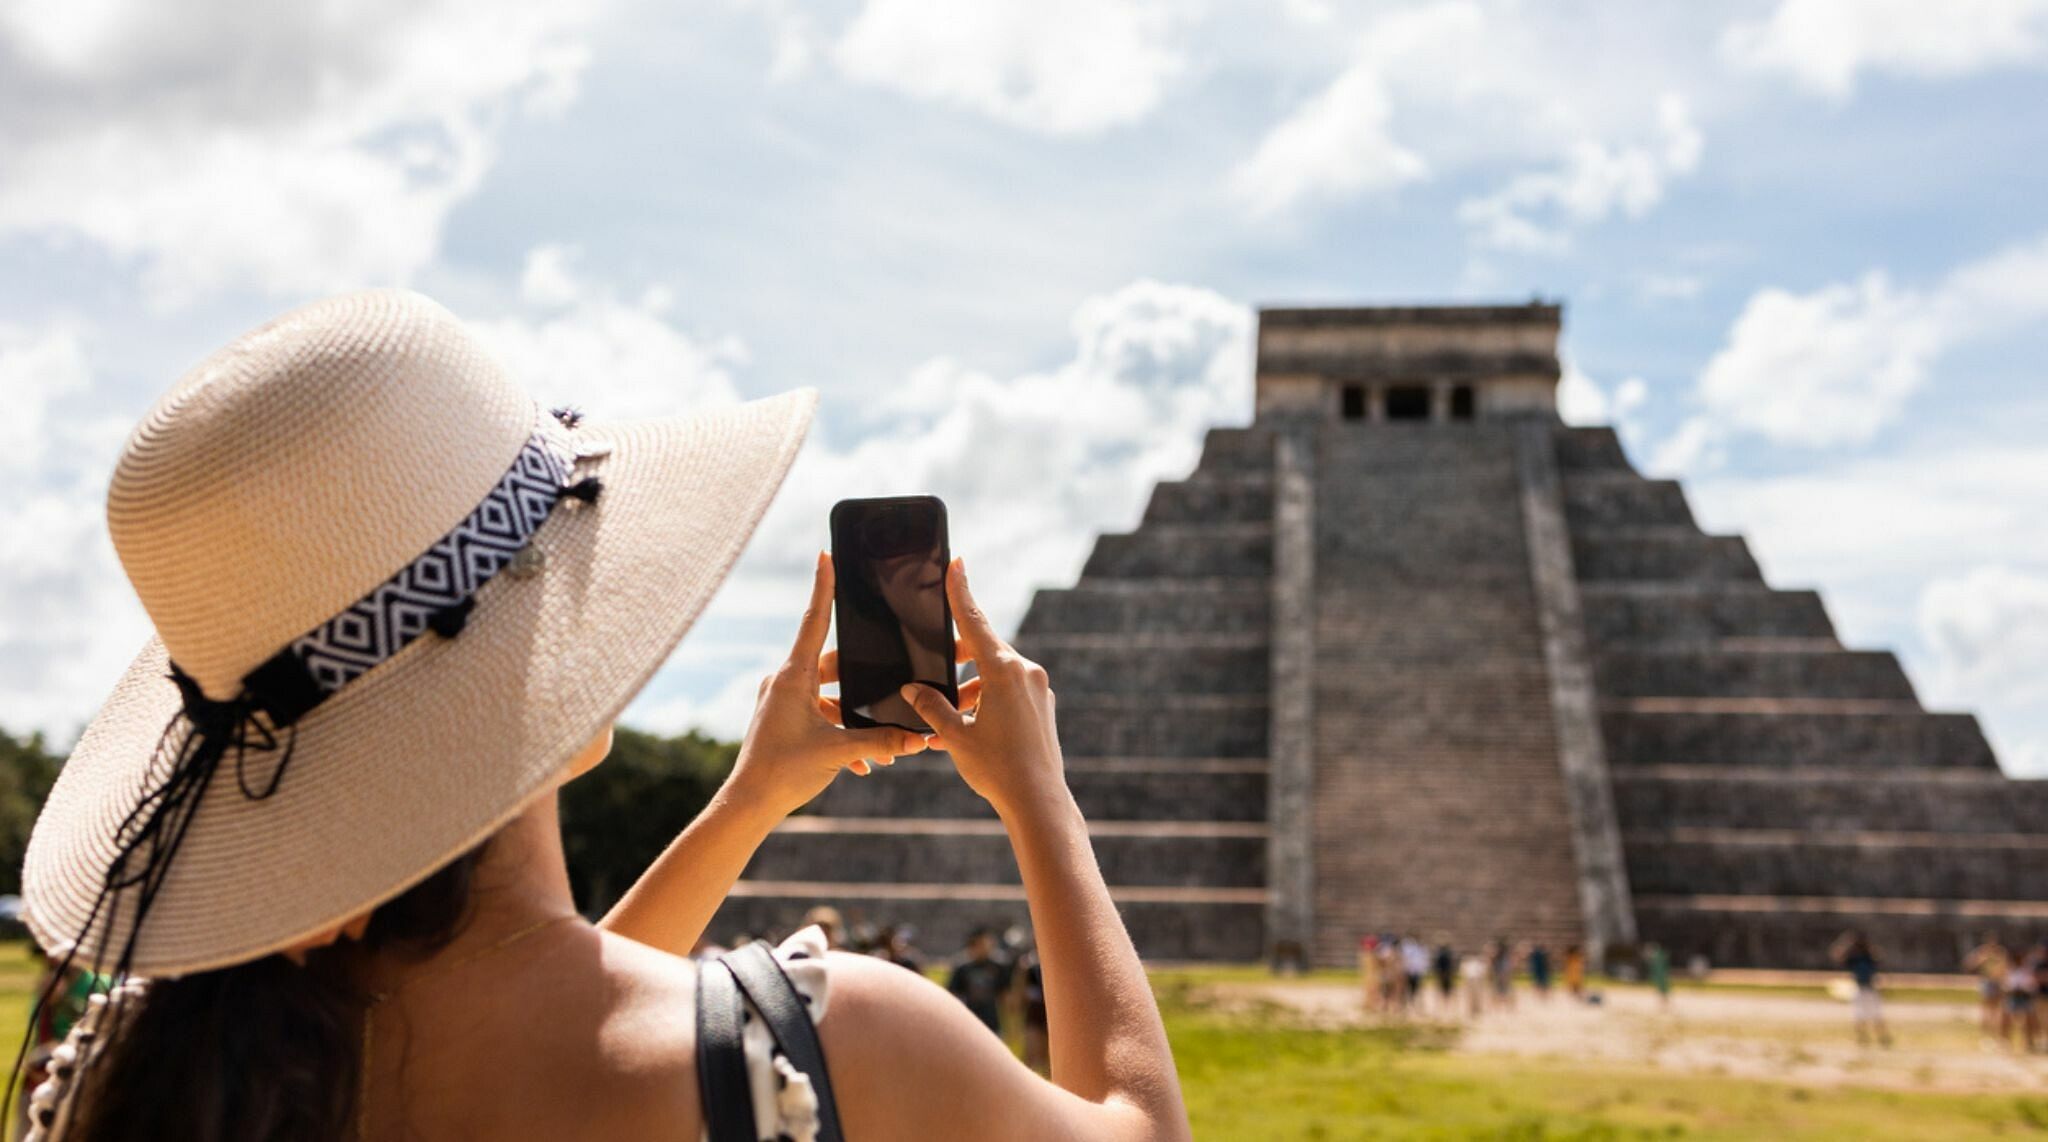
(618, 817)
(27, 769)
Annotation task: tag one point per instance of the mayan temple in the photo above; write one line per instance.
(1409, 654)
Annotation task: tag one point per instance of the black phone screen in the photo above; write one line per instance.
(895, 624)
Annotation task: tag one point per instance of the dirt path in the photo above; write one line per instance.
(1795, 1039)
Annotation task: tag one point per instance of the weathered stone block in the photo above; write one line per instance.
(1624, 500)
(1142, 606)
(1751, 674)
(927, 786)
(868, 854)
(1661, 553)
(1788, 863)
(1699, 611)
(1878, 740)
(1136, 664)
(1933, 800)
(1162, 725)
(1233, 498)
(1184, 551)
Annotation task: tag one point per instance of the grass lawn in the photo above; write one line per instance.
(1257, 1075)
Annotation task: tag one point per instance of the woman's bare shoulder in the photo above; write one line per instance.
(908, 1060)
(647, 1041)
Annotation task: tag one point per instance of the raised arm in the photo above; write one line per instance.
(792, 751)
(1109, 1048)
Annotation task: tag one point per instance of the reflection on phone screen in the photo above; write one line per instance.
(894, 624)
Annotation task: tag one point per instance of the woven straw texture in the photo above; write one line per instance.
(285, 477)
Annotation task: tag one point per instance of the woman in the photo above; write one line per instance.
(397, 607)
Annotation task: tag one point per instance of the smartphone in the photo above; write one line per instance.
(895, 622)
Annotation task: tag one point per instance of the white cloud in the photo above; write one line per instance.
(1671, 287)
(1334, 146)
(795, 38)
(322, 151)
(1838, 365)
(580, 345)
(1061, 67)
(1829, 367)
(68, 622)
(1824, 44)
(1987, 629)
(1535, 210)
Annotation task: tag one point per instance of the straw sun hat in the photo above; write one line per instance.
(393, 597)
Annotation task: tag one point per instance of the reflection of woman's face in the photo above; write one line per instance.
(913, 586)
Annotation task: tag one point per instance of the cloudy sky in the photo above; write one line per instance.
(1018, 244)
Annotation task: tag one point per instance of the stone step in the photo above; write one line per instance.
(1721, 673)
(1188, 550)
(1791, 862)
(1165, 789)
(1229, 497)
(1152, 664)
(1590, 450)
(1657, 554)
(1183, 854)
(1118, 606)
(1164, 725)
(1236, 450)
(1164, 923)
(1935, 800)
(1910, 934)
(1851, 736)
(1624, 499)
(1698, 612)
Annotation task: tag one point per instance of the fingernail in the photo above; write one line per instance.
(909, 692)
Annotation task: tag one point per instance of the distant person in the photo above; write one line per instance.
(1472, 970)
(1991, 963)
(1445, 966)
(894, 945)
(1539, 970)
(1393, 980)
(1370, 975)
(1575, 971)
(1031, 989)
(1414, 966)
(1854, 952)
(1503, 969)
(980, 979)
(1657, 963)
(2022, 1000)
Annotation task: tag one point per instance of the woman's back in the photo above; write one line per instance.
(569, 1033)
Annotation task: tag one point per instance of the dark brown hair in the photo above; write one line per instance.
(263, 1051)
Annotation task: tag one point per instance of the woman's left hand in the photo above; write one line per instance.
(794, 746)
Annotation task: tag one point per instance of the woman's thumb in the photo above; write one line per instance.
(931, 705)
(881, 741)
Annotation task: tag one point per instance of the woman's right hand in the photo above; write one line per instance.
(1005, 745)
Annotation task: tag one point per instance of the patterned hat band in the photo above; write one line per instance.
(432, 593)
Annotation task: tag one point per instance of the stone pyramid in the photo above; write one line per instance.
(1408, 654)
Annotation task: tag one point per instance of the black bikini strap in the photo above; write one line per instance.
(722, 1057)
(789, 1020)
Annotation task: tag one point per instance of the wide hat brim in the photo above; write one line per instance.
(423, 757)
